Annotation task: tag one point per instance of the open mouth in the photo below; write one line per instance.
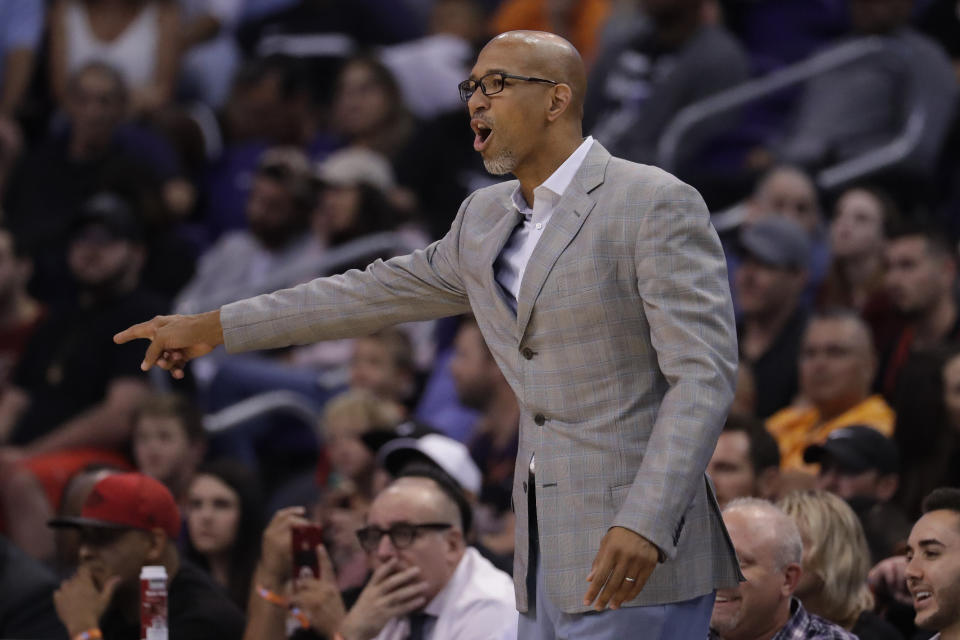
(725, 599)
(921, 598)
(483, 133)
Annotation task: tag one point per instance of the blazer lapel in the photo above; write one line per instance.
(565, 222)
(509, 218)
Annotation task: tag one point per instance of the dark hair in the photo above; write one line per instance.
(448, 486)
(246, 547)
(764, 451)
(179, 407)
(375, 213)
(937, 239)
(947, 498)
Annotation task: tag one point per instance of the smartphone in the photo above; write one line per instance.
(304, 540)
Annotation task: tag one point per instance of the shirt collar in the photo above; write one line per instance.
(558, 181)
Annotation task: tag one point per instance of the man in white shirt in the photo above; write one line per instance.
(933, 565)
(426, 583)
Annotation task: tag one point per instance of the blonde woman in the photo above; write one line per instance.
(836, 560)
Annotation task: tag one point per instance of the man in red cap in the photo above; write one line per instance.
(129, 521)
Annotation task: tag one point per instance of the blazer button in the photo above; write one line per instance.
(527, 353)
(539, 419)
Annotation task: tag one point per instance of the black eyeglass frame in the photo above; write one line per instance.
(468, 87)
(393, 530)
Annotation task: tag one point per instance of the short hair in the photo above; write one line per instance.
(177, 406)
(789, 544)
(448, 487)
(764, 450)
(837, 552)
(844, 314)
(942, 499)
(938, 241)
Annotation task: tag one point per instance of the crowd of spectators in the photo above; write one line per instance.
(171, 156)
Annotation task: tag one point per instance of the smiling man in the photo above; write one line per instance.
(933, 565)
(770, 549)
(600, 288)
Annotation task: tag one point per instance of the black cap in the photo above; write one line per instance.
(777, 241)
(111, 212)
(856, 449)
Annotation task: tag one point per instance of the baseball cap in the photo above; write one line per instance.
(778, 242)
(354, 166)
(110, 211)
(856, 449)
(450, 455)
(127, 500)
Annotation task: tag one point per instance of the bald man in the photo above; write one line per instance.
(599, 286)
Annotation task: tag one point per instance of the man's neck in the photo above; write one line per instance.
(952, 632)
(777, 622)
(545, 160)
(933, 326)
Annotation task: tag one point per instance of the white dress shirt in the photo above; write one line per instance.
(513, 259)
(477, 603)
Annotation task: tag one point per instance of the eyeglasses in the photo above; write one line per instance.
(493, 83)
(401, 534)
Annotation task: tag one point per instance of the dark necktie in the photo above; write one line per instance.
(418, 625)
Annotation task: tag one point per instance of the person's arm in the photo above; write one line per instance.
(266, 620)
(682, 282)
(420, 286)
(106, 424)
(159, 92)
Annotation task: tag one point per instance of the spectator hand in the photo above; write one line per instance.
(276, 555)
(390, 593)
(80, 604)
(890, 577)
(623, 554)
(320, 599)
(174, 340)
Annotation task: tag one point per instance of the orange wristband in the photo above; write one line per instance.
(280, 601)
(89, 634)
(271, 597)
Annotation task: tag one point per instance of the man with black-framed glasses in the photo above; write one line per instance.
(600, 288)
(426, 582)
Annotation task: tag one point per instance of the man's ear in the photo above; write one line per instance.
(560, 99)
(791, 578)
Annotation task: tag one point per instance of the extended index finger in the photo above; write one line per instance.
(146, 330)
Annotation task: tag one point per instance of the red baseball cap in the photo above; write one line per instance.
(127, 500)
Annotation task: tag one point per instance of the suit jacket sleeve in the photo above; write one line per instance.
(422, 285)
(683, 286)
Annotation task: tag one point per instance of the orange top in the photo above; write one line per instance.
(586, 19)
(796, 428)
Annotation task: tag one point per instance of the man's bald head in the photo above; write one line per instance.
(547, 55)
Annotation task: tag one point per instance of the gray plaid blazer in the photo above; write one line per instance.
(622, 355)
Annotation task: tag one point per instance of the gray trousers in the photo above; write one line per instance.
(685, 620)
